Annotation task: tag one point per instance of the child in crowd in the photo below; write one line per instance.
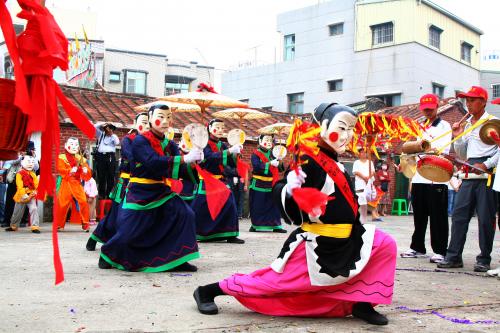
(90, 189)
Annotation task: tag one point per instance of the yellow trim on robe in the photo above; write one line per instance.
(263, 178)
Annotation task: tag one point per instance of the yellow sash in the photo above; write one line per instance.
(328, 230)
(266, 179)
(125, 175)
(138, 180)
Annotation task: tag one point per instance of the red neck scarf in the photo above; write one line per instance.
(274, 170)
(27, 179)
(155, 142)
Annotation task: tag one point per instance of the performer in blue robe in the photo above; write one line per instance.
(217, 156)
(156, 227)
(264, 213)
(106, 227)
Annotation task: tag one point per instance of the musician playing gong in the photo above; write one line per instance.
(73, 170)
(155, 227)
(430, 199)
(217, 156)
(264, 213)
(474, 194)
(107, 226)
(26, 183)
(330, 266)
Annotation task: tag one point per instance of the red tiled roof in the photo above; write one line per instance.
(100, 106)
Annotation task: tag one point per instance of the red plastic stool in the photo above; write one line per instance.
(103, 209)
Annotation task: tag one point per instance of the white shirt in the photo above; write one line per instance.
(90, 188)
(474, 146)
(432, 132)
(496, 182)
(108, 143)
(363, 168)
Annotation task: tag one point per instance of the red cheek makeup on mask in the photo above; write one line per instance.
(140, 127)
(334, 136)
(157, 122)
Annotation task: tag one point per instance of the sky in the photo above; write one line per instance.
(225, 33)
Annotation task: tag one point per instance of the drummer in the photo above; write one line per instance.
(474, 194)
(430, 199)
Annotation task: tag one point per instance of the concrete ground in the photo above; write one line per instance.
(94, 300)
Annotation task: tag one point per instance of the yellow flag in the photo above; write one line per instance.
(77, 43)
(85, 35)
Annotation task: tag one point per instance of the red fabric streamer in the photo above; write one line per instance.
(309, 199)
(242, 168)
(216, 191)
(176, 185)
(154, 142)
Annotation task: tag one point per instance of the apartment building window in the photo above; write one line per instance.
(435, 36)
(465, 51)
(335, 85)
(267, 108)
(176, 88)
(135, 82)
(496, 90)
(438, 90)
(296, 103)
(382, 33)
(389, 99)
(115, 76)
(289, 51)
(336, 29)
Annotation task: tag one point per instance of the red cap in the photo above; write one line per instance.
(475, 92)
(495, 101)
(429, 101)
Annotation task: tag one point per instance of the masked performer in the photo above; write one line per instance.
(332, 265)
(73, 170)
(156, 228)
(217, 156)
(27, 183)
(264, 213)
(107, 228)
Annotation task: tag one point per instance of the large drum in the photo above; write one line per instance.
(435, 168)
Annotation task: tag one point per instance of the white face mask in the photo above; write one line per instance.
(161, 120)
(72, 146)
(340, 131)
(266, 142)
(142, 124)
(28, 162)
(217, 129)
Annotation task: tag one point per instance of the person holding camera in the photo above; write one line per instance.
(105, 158)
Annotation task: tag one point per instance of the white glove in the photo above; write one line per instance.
(195, 155)
(24, 197)
(275, 163)
(294, 180)
(85, 169)
(74, 169)
(236, 149)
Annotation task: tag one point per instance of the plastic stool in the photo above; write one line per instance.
(399, 207)
(104, 207)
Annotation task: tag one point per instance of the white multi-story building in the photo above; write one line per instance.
(346, 50)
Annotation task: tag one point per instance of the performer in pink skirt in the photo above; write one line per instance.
(332, 265)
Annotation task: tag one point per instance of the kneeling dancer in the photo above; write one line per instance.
(155, 228)
(332, 265)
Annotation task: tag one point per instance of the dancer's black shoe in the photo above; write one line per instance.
(366, 312)
(91, 243)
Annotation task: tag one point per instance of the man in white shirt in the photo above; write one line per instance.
(362, 172)
(430, 199)
(105, 158)
(474, 194)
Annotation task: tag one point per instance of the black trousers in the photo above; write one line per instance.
(430, 202)
(106, 169)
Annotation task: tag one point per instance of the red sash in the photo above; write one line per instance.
(274, 170)
(27, 179)
(215, 148)
(333, 170)
(154, 142)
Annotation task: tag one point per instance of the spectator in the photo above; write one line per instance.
(363, 170)
(3, 189)
(385, 179)
(91, 193)
(453, 186)
(105, 158)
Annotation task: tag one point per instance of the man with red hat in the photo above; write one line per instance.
(430, 199)
(474, 194)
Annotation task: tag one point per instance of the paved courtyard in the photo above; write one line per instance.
(93, 300)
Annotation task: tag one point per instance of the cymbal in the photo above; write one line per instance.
(485, 133)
